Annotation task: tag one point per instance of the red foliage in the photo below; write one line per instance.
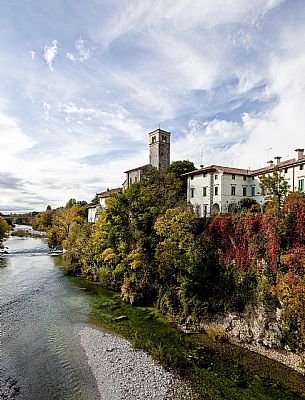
(237, 239)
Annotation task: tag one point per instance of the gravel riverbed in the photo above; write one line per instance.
(123, 372)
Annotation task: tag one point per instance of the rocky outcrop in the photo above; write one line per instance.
(258, 328)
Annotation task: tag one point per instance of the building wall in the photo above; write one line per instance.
(225, 181)
(133, 177)
(205, 201)
(92, 214)
(159, 149)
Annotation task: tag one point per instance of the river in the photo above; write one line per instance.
(41, 314)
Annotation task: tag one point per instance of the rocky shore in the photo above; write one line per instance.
(123, 372)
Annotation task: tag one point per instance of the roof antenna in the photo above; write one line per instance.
(269, 148)
(201, 158)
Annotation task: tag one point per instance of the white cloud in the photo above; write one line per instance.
(84, 53)
(49, 53)
(13, 140)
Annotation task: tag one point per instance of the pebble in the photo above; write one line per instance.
(125, 373)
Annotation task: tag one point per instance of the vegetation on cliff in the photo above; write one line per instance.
(149, 245)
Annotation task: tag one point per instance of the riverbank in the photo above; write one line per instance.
(211, 372)
(123, 372)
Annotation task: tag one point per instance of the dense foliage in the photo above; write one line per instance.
(149, 245)
(4, 229)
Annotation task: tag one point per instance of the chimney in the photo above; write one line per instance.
(270, 163)
(277, 160)
(300, 153)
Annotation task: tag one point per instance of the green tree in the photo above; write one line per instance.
(4, 229)
(248, 204)
(274, 187)
(179, 168)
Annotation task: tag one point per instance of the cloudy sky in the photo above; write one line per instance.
(82, 82)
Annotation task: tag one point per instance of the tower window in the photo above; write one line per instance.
(153, 139)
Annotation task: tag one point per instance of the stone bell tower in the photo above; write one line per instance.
(159, 149)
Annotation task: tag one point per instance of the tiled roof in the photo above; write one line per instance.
(134, 169)
(283, 164)
(249, 172)
(108, 192)
(229, 170)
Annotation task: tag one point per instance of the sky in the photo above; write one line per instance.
(83, 82)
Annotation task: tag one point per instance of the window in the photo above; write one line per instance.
(233, 176)
(192, 193)
(205, 210)
(252, 178)
(233, 190)
(216, 177)
(252, 190)
(286, 170)
(204, 175)
(301, 167)
(153, 140)
(135, 179)
(301, 185)
(192, 177)
(244, 178)
(244, 191)
(216, 190)
(130, 181)
(204, 191)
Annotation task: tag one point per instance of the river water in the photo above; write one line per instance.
(41, 313)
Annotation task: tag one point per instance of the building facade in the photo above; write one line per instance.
(218, 189)
(159, 156)
(103, 196)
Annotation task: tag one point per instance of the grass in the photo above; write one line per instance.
(216, 371)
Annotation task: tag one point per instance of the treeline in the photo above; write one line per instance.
(149, 245)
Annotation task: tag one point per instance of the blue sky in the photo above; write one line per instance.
(83, 82)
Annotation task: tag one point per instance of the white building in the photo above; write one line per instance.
(103, 196)
(93, 211)
(218, 189)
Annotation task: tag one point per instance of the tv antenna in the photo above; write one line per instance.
(201, 156)
(268, 150)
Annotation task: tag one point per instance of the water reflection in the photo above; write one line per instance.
(41, 314)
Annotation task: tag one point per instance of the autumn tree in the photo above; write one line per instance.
(4, 229)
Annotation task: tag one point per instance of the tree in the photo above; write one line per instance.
(95, 200)
(179, 168)
(4, 229)
(71, 203)
(248, 204)
(274, 187)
